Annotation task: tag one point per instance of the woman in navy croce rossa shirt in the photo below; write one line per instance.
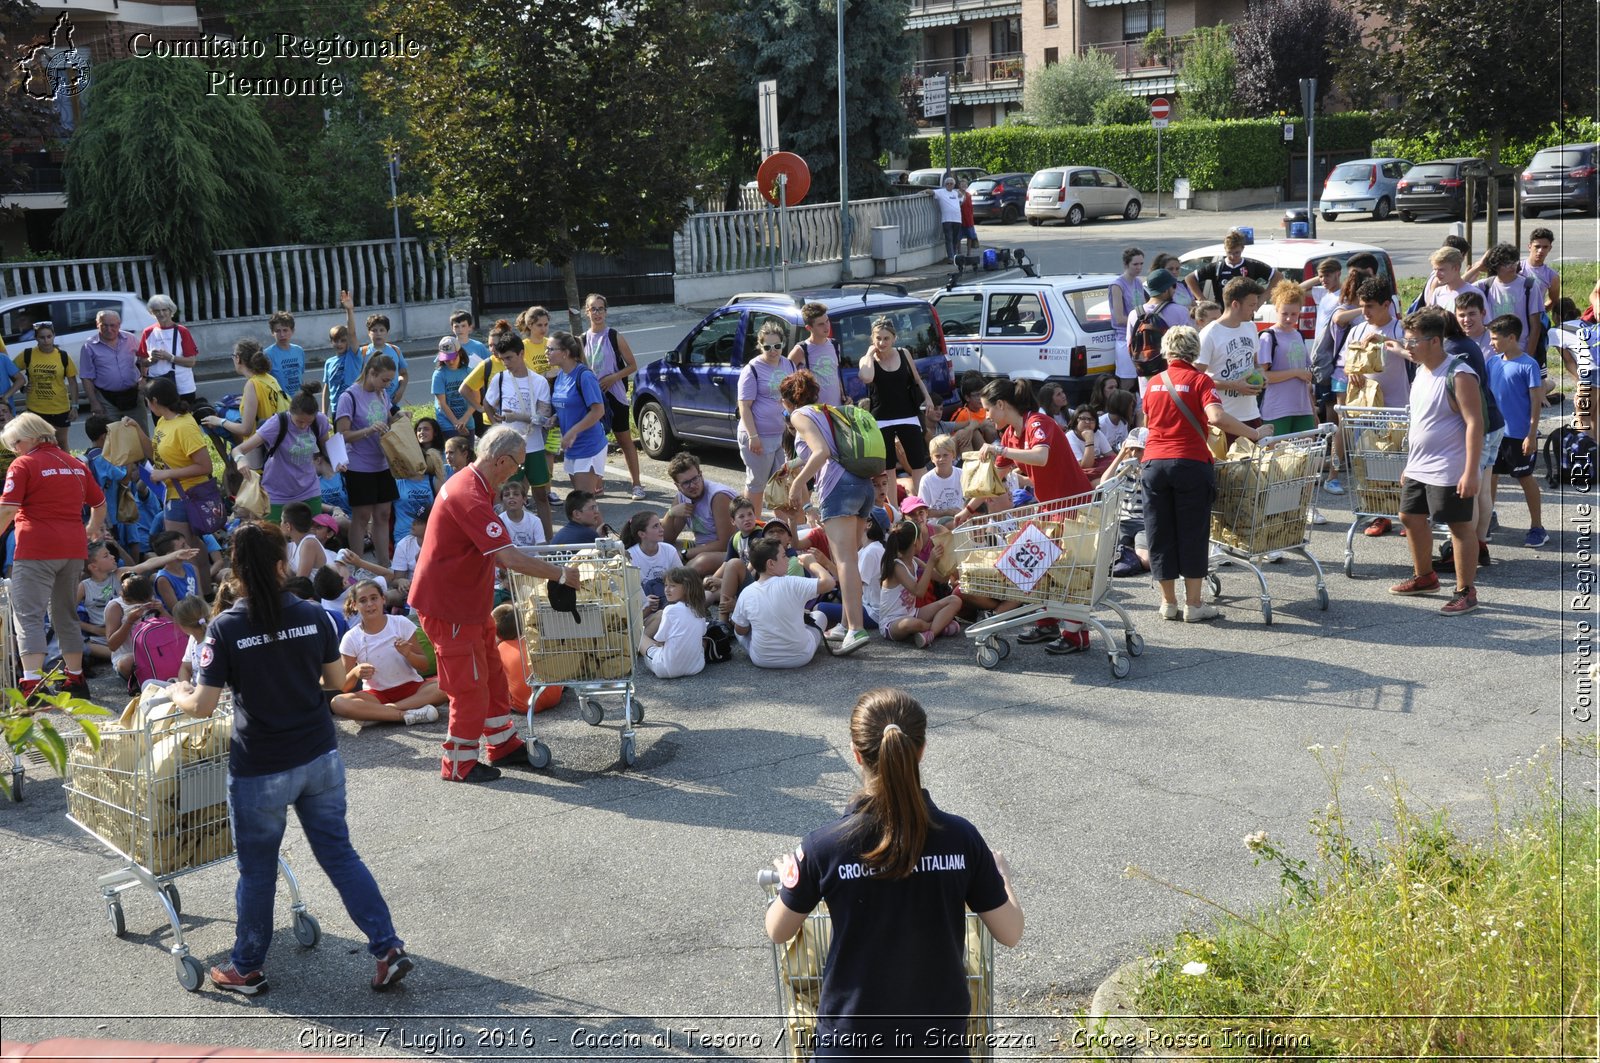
(898, 875)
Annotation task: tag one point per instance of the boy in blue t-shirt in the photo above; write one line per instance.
(461, 328)
(378, 343)
(288, 359)
(10, 379)
(341, 368)
(1518, 391)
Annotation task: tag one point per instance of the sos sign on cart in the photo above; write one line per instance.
(1028, 558)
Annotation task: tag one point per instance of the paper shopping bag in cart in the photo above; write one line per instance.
(1369, 393)
(979, 477)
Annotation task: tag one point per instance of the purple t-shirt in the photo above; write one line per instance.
(1522, 298)
(1283, 350)
(604, 360)
(364, 408)
(823, 361)
(1393, 378)
(758, 385)
(1438, 433)
(1133, 297)
(291, 474)
(828, 478)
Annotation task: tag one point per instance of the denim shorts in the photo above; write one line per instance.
(177, 511)
(851, 497)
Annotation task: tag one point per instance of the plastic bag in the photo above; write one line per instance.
(979, 477)
(252, 498)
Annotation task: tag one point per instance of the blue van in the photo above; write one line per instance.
(691, 394)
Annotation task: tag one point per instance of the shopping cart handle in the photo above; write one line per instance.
(767, 877)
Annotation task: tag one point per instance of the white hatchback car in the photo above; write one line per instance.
(72, 313)
(1031, 328)
(1075, 193)
(1362, 186)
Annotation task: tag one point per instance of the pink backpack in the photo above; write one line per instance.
(158, 644)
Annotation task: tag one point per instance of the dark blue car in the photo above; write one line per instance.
(999, 197)
(691, 395)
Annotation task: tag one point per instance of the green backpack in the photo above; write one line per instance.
(857, 440)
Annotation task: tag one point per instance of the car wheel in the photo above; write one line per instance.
(1035, 221)
(1406, 215)
(1009, 213)
(1075, 215)
(1530, 212)
(655, 434)
(1329, 215)
(1381, 212)
(1131, 211)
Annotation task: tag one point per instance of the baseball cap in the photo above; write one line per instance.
(448, 348)
(1160, 281)
(326, 521)
(911, 504)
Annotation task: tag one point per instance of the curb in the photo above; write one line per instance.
(1112, 1007)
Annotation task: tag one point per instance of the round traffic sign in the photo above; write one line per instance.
(1160, 108)
(790, 164)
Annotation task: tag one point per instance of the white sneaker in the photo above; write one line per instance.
(1193, 614)
(1274, 557)
(638, 491)
(422, 714)
(819, 620)
(1317, 517)
(1170, 611)
(852, 642)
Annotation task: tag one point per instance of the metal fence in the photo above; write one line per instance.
(747, 240)
(254, 282)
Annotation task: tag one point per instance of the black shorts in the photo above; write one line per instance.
(59, 420)
(370, 488)
(618, 413)
(1510, 461)
(912, 441)
(1441, 504)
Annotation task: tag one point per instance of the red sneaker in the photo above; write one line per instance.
(227, 977)
(1462, 601)
(392, 966)
(1426, 583)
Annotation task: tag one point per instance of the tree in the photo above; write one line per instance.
(796, 43)
(158, 166)
(1483, 76)
(1281, 41)
(1122, 109)
(1206, 78)
(542, 131)
(25, 121)
(1066, 93)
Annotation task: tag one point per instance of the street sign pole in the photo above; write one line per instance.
(1160, 115)
(1308, 101)
(783, 227)
(1158, 171)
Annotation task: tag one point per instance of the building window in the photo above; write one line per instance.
(1140, 19)
(1005, 37)
(1052, 56)
(1051, 15)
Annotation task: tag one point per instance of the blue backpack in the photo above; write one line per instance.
(1569, 457)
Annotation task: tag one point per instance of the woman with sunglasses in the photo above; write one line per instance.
(761, 410)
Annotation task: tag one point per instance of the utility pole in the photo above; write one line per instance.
(844, 160)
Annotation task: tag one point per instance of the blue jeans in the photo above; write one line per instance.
(952, 239)
(258, 808)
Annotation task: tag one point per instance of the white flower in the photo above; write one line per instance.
(1315, 747)
(1195, 968)
(1255, 840)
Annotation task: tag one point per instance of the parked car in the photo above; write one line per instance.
(999, 196)
(72, 313)
(1564, 178)
(1032, 328)
(1440, 187)
(1363, 186)
(1295, 260)
(1073, 193)
(934, 176)
(691, 393)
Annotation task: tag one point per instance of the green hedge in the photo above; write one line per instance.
(1247, 153)
(1515, 153)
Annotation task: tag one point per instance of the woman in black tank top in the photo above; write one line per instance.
(897, 397)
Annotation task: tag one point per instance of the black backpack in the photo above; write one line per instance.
(1144, 345)
(1569, 457)
(718, 642)
(283, 433)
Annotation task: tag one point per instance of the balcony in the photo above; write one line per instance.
(1141, 72)
(44, 173)
(926, 14)
(974, 79)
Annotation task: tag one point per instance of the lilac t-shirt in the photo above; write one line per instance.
(291, 474)
(364, 408)
(1283, 350)
(604, 360)
(1393, 378)
(758, 385)
(1438, 433)
(1523, 299)
(823, 361)
(1133, 297)
(828, 478)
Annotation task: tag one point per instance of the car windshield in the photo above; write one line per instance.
(1431, 171)
(1556, 159)
(1047, 179)
(913, 324)
(981, 188)
(1352, 171)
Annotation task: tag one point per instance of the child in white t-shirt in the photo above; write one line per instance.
(644, 536)
(406, 552)
(381, 655)
(941, 488)
(677, 647)
(524, 528)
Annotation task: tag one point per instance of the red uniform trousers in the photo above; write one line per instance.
(471, 675)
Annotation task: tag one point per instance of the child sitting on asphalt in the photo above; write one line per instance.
(381, 655)
(676, 648)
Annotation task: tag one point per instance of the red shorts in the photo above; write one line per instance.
(399, 693)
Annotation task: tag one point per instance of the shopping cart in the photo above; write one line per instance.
(1376, 442)
(1054, 558)
(65, 723)
(156, 795)
(1261, 508)
(799, 963)
(590, 651)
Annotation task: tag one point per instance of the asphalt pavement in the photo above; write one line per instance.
(587, 911)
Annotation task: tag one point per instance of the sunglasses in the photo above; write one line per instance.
(772, 346)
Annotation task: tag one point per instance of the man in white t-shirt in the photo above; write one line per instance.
(770, 615)
(949, 200)
(1228, 349)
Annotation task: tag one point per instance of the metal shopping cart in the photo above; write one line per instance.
(156, 795)
(591, 650)
(798, 965)
(1054, 559)
(1376, 442)
(1262, 506)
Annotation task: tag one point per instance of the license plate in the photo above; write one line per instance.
(1422, 188)
(1556, 183)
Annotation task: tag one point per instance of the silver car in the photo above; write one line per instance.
(1074, 193)
(1365, 186)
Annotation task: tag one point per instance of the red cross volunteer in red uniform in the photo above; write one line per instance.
(453, 593)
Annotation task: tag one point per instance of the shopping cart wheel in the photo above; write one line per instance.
(1266, 612)
(629, 753)
(638, 711)
(1349, 568)
(538, 754)
(1322, 598)
(119, 926)
(190, 973)
(1214, 585)
(591, 712)
(1004, 646)
(173, 897)
(1120, 666)
(988, 656)
(1135, 644)
(307, 930)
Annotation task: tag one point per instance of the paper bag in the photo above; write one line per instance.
(776, 493)
(252, 498)
(979, 477)
(127, 505)
(400, 446)
(1364, 358)
(1218, 442)
(946, 561)
(1369, 393)
(122, 445)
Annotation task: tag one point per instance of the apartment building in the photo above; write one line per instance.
(1053, 29)
(977, 44)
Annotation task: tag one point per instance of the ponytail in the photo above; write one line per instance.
(888, 729)
(258, 549)
(305, 400)
(902, 537)
(1018, 394)
(250, 355)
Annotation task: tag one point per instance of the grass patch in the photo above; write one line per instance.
(1485, 945)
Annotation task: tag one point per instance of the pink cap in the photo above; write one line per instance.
(911, 504)
(326, 521)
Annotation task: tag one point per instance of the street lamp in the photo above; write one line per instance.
(844, 159)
